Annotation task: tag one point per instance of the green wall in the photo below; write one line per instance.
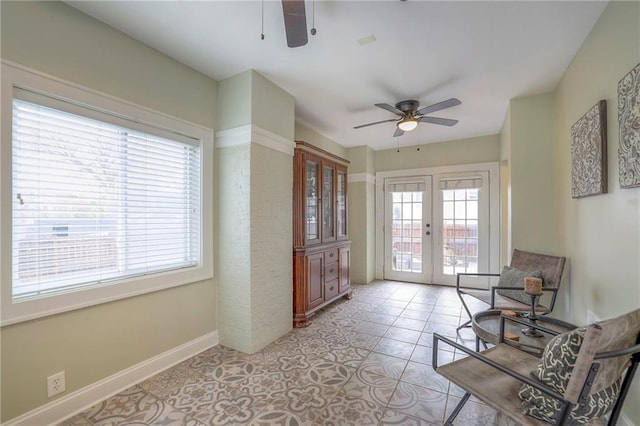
(93, 343)
(505, 191)
(59, 40)
(482, 149)
(361, 202)
(255, 283)
(599, 234)
(531, 154)
(234, 95)
(272, 107)
(234, 272)
(304, 133)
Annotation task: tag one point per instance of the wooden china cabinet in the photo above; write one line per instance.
(320, 243)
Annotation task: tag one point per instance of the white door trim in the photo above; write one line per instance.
(494, 222)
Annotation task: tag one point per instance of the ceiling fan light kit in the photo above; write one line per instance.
(410, 115)
(407, 124)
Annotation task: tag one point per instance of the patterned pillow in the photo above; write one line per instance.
(554, 370)
(512, 277)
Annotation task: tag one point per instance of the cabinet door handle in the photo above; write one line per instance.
(331, 288)
(331, 254)
(331, 271)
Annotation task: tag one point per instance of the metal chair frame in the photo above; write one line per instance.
(552, 277)
(562, 416)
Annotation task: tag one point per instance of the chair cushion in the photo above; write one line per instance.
(554, 370)
(513, 277)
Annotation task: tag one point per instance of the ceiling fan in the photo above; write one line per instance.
(295, 23)
(410, 115)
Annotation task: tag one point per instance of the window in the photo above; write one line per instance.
(102, 206)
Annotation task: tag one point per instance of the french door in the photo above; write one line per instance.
(462, 220)
(438, 225)
(408, 229)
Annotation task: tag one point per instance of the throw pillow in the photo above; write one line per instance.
(554, 371)
(513, 277)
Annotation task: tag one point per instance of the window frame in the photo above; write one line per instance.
(16, 76)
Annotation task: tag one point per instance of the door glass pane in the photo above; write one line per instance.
(327, 202)
(341, 216)
(311, 214)
(407, 231)
(460, 231)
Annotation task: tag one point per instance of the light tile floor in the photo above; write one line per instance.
(366, 361)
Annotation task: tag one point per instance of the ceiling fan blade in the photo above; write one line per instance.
(391, 109)
(437, 120)
(398, 132)
(295, 22)
(440, 105)
(377, 122)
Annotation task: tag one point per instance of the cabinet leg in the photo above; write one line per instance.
(301, 324)
(301, 320)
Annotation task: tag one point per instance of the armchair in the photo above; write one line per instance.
(549, 267)
(583, 376)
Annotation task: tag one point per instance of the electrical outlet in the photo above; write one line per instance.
(55, 384)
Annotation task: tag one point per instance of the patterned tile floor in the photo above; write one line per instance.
(366, 361)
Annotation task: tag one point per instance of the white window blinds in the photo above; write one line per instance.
(416, 186)
(462, 183)
(96, 202)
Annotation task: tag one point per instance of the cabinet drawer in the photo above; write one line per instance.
(331, 272)
(330, 289)
(331, 256)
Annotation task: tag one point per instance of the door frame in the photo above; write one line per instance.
(494, 208)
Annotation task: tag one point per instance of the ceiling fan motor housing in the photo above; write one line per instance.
(408, 106)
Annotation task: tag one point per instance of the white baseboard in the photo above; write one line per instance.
(78, 401)
(624, 420)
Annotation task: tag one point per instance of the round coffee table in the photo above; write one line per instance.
(486, 326)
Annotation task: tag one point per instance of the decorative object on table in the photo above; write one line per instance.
(589, 153)
(511, 336)
(629, 132)
(533, 287)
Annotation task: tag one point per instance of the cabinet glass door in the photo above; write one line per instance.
(328, 231)
(341, 214)
(312, 226)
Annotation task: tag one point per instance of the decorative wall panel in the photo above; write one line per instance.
(629, 135)
(589, 153)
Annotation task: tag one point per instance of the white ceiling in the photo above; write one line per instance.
(484, 53)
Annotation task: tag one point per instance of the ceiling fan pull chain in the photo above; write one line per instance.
(262, 17)
(313, 18)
